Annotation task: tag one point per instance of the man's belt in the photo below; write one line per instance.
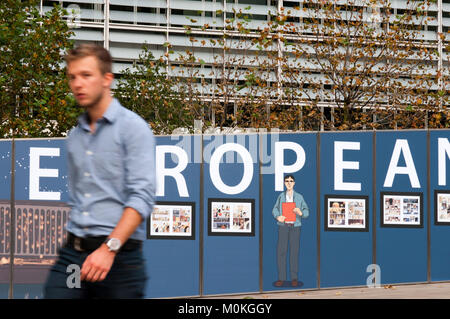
(92, 243)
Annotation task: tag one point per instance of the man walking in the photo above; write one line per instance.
(111, 171)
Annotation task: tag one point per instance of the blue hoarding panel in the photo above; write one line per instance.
(5, 169)
(284, 154)
(401, 163)
(440, 204)
(345, 206)
(234, 216)
(231, 214)
(41, 211)
(172, 250)
(5, 216)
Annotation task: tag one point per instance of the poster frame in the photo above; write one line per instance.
(231, 233)
(437, 192)
(164, 237)
(347, 197)
(421, 206)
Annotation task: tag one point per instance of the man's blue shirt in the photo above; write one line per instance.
(108, 170)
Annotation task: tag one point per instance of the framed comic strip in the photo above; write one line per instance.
(172, 220)
(442, 207)
(346, 213)
(400, 209)
(231, 217)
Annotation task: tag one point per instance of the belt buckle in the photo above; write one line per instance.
(77, 244)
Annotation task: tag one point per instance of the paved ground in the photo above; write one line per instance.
(404, 291)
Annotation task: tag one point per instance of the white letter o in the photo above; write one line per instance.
(215, 174)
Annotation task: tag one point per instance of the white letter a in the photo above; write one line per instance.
(401, 146)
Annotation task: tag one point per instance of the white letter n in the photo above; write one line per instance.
(443, 148)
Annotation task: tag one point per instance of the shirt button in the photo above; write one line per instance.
(87, 195)
(86, 213)
(89, 152)
(87, 174)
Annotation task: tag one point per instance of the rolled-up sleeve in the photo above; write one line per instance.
(140, 177)
(276, 208)
(303, 207)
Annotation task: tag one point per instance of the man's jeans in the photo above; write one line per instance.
(288, 236)
(125, 280)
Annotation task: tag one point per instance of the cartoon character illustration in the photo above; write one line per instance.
(289, 209)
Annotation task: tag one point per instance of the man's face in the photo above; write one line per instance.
(87, 82)
(289, 183)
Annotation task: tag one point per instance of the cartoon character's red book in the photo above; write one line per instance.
(288, 212)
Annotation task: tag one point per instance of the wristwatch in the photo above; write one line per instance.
(113, 244)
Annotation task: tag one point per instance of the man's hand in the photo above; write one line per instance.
(98, 264)
(298, 211)
(281, 218)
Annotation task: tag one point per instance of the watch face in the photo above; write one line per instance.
(114, 244)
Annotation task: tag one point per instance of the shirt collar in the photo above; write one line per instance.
(286, 194)
(110, 115)
(112, 111)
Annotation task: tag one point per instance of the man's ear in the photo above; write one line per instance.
(108, 79)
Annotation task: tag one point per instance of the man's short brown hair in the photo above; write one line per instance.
(84, 50)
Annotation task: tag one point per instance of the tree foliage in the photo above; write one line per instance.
(147, 90)
(347, 65)
(33, 87)
(363, 60)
